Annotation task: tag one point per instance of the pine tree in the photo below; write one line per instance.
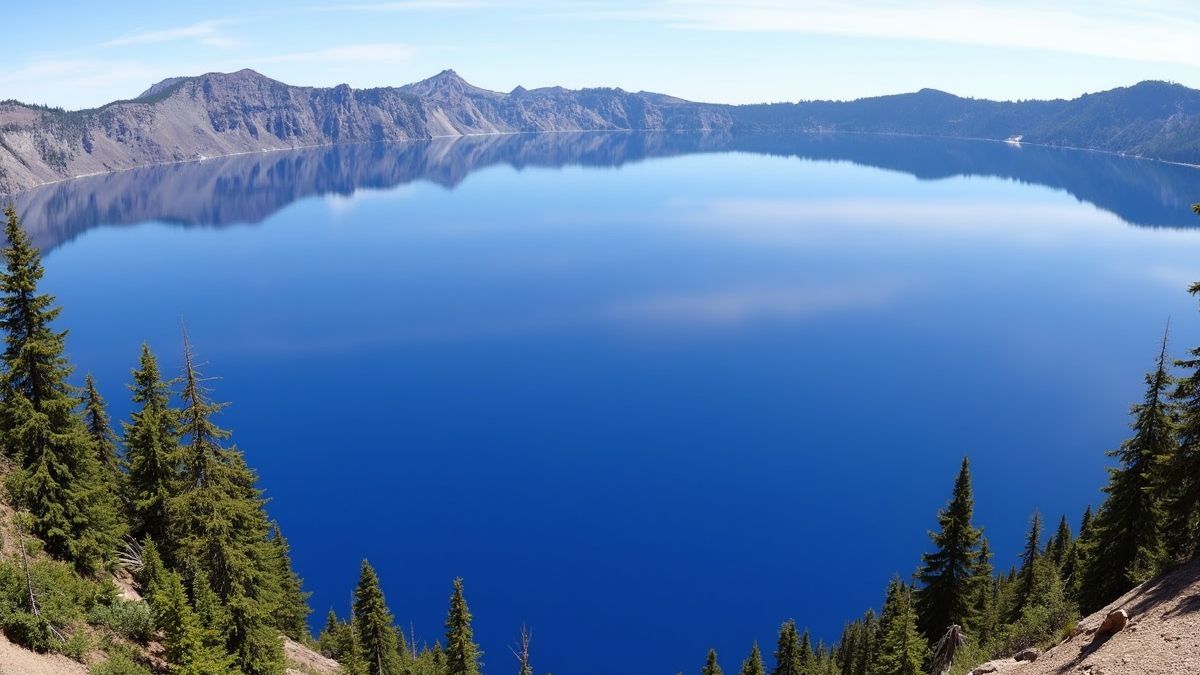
(1127, 544)
(150, 576)
(338, 642)
(374, 626)
(986, 620)
(949, 575)
(152, 454)
(462, 654)
(808, 660)
(1026, 576)
(190, 647)
(59, 481)
(902, 649)
(99, 428)
(1060, 544)
(847, 648)
(291, 617)
(711, 667)
(1180, 468)
(220, 527)
(787, 652)
(866, 644)
(753, 665)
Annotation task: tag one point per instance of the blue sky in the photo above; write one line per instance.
(79, 54)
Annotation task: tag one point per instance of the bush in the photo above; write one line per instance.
(119, 664)
(63, 597)
(131, 620)
(77, 645)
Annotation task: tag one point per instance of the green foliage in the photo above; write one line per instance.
(1179, 470)
(152, 452)
(99, 428)
(462, 654)
(902, 649)
(338, 642)
(120, 664)
(191, 647)
(59, 480)
(373, 625)
(1044, 614)
(130, 619)
(788, 659)
(950, 576)
(1127, 546)
(753, 665)
(711, 667)
(291, 616)
(63, 598)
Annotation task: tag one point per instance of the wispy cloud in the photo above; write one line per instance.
(206, 33)
(738, 306)
(1161, 31)
(366, 53)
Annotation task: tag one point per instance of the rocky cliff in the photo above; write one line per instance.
(223, 114)
(227, 114)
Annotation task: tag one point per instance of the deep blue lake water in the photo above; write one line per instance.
(648, 394)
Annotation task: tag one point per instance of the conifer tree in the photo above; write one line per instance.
(291, 617)
(99, 428)
(191, 647)
(338, 642)
(59, 481)
(150, 576)
(985, 615)
(711, 667)
(374, 626)
(866, 644)
(1127, 545)
(1180, 468)
(753, 665)
(808, 658)
(219, 527)
(787, 652)
(525, 667)
(847, 649)
(1026, 577)
(902, 649)
(152, 454)
(1060, 544)
(948, 576)
(462, 654)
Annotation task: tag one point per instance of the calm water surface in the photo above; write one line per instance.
(646, 394)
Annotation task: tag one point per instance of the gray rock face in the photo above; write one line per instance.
(222, 114)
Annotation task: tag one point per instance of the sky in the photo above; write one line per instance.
(83, 54)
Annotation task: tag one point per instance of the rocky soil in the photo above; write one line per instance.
(1162, 635)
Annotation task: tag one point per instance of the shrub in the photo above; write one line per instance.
(131, 620)
(63, 598)
(119, 664)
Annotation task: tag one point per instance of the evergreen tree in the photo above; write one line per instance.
(99, 428)
(788, 652)
(220, 528)
(902, 649)
(374, 626)
(150, 576)
(1030, 555)
(152, 454)
(59, 480)
(1127, 545)
(338, 642)
(462, 654)
(1181, 467)
(985, 615)
(866, 644)
(291, 617)
(847, 649)
(189, 646)
(949, 575)
(711, 667)
(1060, 544)
(753, 665)
(808, 658)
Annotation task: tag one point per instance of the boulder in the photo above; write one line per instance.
(1030, 654)
(1113, 623)
(984, 669)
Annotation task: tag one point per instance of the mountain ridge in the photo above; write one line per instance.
(219, 114)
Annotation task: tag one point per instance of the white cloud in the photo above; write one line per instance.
(1163, 31)
(206, 33)
(366, 53)
(735, 307)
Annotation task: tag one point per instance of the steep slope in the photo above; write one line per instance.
(1163, 635)
(220, 114)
